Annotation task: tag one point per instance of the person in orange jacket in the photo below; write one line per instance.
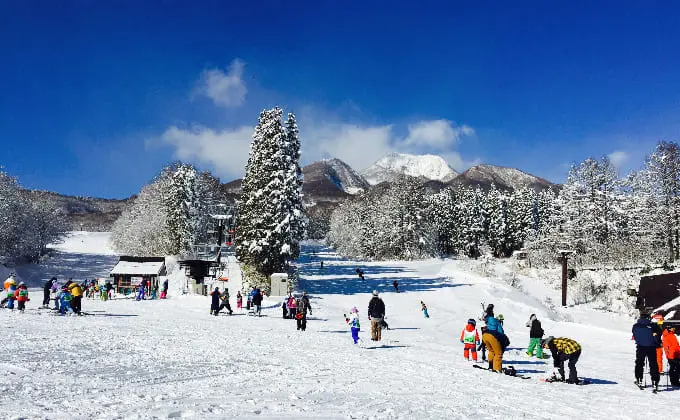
(470, 339)
(21, 296)
(658, 318)
(672, 349)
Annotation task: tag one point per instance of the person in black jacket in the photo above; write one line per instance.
(215, 303)
(376, 313)
(47, 289)
(396, 286)
(647, 335)
(257, 302)
(535, 335)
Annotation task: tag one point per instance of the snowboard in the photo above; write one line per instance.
(512, 376)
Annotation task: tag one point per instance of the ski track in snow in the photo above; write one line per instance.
(171, 359)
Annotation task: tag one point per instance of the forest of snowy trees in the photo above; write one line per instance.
(169, 214)
(607, 219)
(28, 223)
(271, 219)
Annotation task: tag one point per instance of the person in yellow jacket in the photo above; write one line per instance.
(76, 291)
(563, 349)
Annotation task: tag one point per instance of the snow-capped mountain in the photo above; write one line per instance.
(333, 174)
(503, 178)
(430, 167)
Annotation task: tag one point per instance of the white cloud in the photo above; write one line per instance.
(226, 89)
(456, 161)
(619, 158)
(226, 152)
(436, 134)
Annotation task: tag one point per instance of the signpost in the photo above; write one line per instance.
(564, 256)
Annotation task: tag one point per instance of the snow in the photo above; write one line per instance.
(170, 358)
(510, 177)
(151, 268)
(432, 167)
(344, 177)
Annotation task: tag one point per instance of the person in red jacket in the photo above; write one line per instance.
(470, 339)
(672, 349)
(21, 296)
(658, 318)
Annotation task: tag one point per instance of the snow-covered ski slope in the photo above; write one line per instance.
(162, 359)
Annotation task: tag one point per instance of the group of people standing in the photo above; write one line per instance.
(652, 340)
(297, 307)
(14, 292)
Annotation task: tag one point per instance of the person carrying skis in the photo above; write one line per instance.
(215, 302)
(353, 321)
(672, 349)
(424, 309)
(396, 285)
(21, 296)
(47, 290)
(303, 307)
(535, 335)
(563, 349)
(376, 313)
(647, 335)
(470, 339)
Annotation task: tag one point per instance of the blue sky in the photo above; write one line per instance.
(95, 97)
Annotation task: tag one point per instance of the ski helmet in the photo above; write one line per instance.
(472, 322)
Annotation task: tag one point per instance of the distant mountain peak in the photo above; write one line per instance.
(485, 175)
(337, 172)
(430, 167)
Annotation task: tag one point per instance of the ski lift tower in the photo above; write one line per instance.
(205, 260)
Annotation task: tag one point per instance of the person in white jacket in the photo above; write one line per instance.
(353, 322)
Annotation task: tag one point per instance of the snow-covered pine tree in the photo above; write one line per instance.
(496, 230)
(182, 205)
(473, 219)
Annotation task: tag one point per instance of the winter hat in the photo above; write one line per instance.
(21, 283)
(546, 341)
(375, 293)
(472, 322)
(355, 310)
(645, 313)
(500, 317)
(532, 317)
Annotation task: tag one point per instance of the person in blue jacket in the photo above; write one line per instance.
(647, 335)
(65, 301)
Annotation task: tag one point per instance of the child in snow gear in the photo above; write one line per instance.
(303, 307)
(470, 339)
(21, 296)
(6, 285)
(647, 335)
(672, 349)
(47, 289)
(376, 313)
(11, 291)
(563, 349)
(292, 306)
(164, 290)
(239, 300)
(215, 302)
(353, 321)
(396, 286)
(424, 309)
(500, 319)
(65, 301)
(284, 307)
(535, 336)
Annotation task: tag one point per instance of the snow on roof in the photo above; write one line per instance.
(151, 268)
(668, 305)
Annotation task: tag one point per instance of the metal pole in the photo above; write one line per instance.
(564, 279)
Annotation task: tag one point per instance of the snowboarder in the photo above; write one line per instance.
(396, 286)
(47, 289)
(376, 313)
(353, 321)
(424, 309)
(257, 302)
(563, 349)
(470, 339)
(239, 300)
(647, 335)
(21, 296)
(215, 302)
(535, 335)
(225, 301)
(672, 348)
(303, 306)
(292, 308)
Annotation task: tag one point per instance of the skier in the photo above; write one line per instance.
(303, 307)
(353, 321)
(658, 318)
(215, 303)
(563, 349)
(396, 286)
(470, 339)
(257, 302)
(670, 345)
(376, 313)
(6, 285)
(424, 309)
(239, 300)
(65, 301)
(292, 308)
(535, 335)
(21, 296)
(76, 297)
(647, 337)
(47, 289)
(225, 301)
